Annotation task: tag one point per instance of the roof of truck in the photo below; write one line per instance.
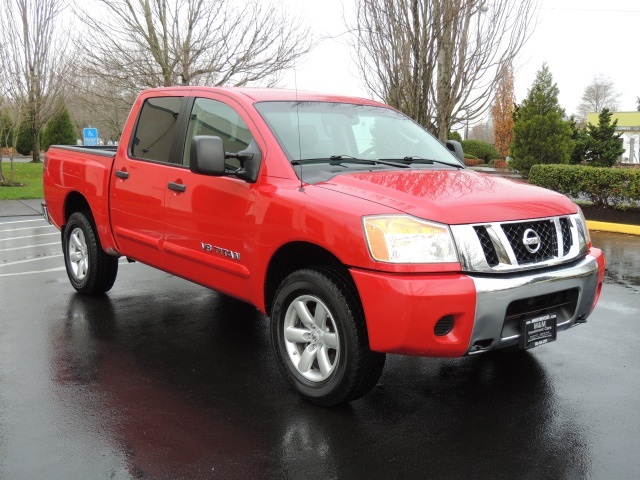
(263, 94)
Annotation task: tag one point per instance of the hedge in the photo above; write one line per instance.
(480, 149)
(609, 187)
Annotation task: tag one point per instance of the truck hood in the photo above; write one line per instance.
(453, 197)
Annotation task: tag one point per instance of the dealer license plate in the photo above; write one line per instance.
(539, 330)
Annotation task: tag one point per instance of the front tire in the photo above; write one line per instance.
(320, 339)
(89, 268)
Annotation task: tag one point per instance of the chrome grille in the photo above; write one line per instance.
(487, 245)
(565, 227)
(503, 247)
(546, 231)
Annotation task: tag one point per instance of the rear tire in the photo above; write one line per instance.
(319, 337)
(90, 269)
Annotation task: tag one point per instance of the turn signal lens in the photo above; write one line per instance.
(405, 239)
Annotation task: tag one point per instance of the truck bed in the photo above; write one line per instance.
(71, 169)
(104, 150)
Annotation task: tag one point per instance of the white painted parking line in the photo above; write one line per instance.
(30, 260)
(28, 246)
(29, 236)
(57, 269)
(122, 261)
(23, 221)
(25, 228)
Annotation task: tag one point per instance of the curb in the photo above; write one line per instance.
(613, 227)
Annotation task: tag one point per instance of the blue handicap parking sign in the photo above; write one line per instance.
(90, 137)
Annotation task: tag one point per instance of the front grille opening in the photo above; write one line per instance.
(443, 326)
(562, 303)
(545, 230)
(487, 246)
(566, 235)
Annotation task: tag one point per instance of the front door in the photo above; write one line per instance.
(205, 217)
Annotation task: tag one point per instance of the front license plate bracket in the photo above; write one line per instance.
(539, 330)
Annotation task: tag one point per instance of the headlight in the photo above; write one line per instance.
(583, 231)
(405, 239)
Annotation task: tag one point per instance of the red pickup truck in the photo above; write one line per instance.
(353, 228)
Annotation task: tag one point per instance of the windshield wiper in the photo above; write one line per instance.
(408, 160)
(333, 159)
(340, 159)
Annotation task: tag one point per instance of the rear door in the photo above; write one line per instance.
(205, 220)
(139, 179)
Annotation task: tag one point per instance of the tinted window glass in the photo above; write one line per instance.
(210, 117)
(156, 129)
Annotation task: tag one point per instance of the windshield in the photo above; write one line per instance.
(330, 131)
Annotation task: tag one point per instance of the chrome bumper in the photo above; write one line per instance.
(496, 293)
(45, 212)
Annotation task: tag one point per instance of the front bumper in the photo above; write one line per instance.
(402, 311)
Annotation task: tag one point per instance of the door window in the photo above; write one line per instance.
(210, 117)
(156, 129)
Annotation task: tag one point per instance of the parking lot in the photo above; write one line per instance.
(161, 378)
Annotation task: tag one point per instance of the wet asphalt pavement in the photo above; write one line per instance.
(164, 379)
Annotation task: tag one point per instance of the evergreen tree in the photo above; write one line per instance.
(455, 136)
(602, 143)
(59, 130)
(24, 142)
(579, 137)
(540, 133)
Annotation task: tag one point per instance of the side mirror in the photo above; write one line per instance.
(456, 148)
(207, 155)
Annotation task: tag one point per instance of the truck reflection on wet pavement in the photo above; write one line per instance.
(161, 378)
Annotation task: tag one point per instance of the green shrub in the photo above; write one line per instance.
(602, 186)
(59, 130)
(455, 136)
(479, 149)
(24, 142)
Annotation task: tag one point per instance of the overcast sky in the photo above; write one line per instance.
(578, 39)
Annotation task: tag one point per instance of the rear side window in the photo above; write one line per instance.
(156, 129)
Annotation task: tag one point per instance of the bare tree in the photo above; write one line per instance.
(34, 61)
(439, 59)
(11, 111)
(483, 131)
(599, 94)
(143, 43)
(98, 103)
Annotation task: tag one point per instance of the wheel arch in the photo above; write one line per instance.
(291, 257)
(77, 202)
